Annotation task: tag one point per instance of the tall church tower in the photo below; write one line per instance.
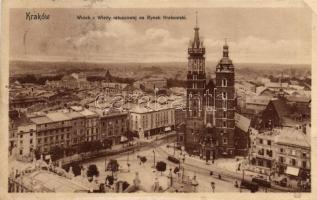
(196, 83)
(225, 105)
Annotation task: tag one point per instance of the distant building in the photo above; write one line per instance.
(257, 103)
(110, 88)
(152, 83)
(72, 81)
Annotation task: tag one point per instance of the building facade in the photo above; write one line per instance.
(113, 126)
(225, 104)
(148, 122)
(210, 113)
(196, 85)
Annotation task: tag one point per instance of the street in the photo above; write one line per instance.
(148, 174)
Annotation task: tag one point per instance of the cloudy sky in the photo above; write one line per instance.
(266, 35)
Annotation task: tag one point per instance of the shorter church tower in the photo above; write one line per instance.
(225, 105)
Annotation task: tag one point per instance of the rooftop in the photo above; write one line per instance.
(41, 120)
(58, 116)
(87, 112)
(293, 136)
(47, 181)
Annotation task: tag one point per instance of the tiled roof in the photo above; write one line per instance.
(281, 107)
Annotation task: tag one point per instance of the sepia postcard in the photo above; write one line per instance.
(159, 99)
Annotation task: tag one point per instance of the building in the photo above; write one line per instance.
(262, 152)
(53, 129)
(152, 83)
(72, 81)
(78, 123)
(92, 125)
(196, 87)
(242, 134)
(257, 103)
(293, 154)
(225, 104)
(113, 126)
(112, 88)
(210, 121)
(282, 153)
(151, 121)
(26, 141)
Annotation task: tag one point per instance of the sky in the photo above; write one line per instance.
(254, 35)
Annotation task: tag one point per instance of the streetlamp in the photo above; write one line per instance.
(171, 177)
(154, 159)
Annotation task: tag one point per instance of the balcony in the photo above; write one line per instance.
(196, 51)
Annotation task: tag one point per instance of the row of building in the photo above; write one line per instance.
(75, 125)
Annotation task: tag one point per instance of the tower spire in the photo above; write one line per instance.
(225, 49)
(196, 43)
(196, 19)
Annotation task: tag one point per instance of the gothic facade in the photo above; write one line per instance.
(210, 105)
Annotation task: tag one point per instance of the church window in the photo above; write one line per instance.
(224, 104)
(225, 141)
(224, 124)
(224, 95)
(224, 114)
(224, 82)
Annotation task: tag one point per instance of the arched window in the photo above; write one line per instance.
(224, 82)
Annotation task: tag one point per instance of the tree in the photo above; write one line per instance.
(56, 153)
(143, 159)
(176, 169)
(92, 171)
(113, 166)
(161, 166)
(76, 168)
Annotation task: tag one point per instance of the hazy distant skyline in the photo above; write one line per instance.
(264, 35)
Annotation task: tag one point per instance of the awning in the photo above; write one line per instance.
(168, 128)
(292, 171)
(123, 139)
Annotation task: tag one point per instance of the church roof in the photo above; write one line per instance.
(281, 107)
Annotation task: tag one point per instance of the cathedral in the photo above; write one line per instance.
(210, 104)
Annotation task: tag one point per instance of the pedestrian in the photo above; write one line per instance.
(236, 184)
(213, 186)
(219, 176)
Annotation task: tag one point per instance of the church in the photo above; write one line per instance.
(210, 104)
